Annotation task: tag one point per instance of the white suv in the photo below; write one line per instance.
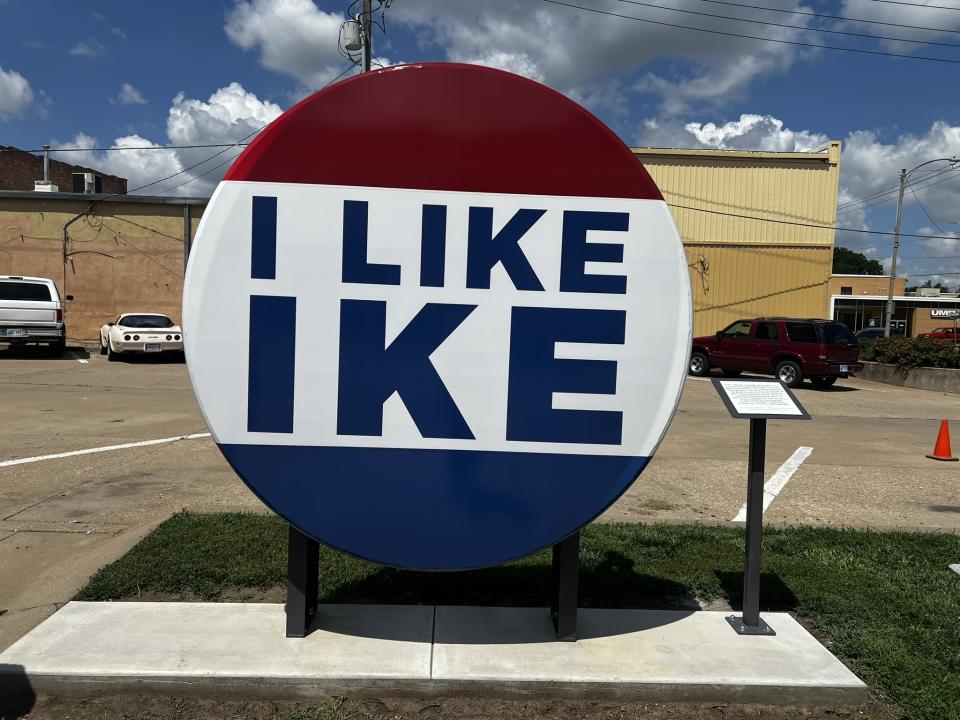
(31, 312)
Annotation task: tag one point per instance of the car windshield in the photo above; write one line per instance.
(24, 291)
(146, 322)
(838, 333)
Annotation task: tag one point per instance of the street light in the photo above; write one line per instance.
(904, 174)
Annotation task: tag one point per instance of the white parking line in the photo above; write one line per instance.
(779, 480)
(90, 451)
(81, 360)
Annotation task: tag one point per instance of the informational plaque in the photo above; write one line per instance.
(760, 398)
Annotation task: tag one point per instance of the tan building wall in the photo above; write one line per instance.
(866, 285)
(923, 323)
(742, 266)
(125, 256)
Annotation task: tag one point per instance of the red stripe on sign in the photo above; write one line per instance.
(446, 126)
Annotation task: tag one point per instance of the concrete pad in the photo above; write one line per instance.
(657, 655)
(213, 648)
(209, 649)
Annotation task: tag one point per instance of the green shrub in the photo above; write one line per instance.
(912, 352)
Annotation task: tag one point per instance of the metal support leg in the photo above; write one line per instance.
(563, 605)
(751, 623)
(303, 582)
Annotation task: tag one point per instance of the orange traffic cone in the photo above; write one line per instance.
(941, 451)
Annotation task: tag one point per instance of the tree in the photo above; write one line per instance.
(848, 262)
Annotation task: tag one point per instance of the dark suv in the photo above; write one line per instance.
(791, 349)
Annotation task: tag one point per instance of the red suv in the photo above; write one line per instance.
(791, 349)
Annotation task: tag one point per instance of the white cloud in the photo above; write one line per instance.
(913, 13)
(226, 116)
(869, 169)
(15, 94)
(138, 166)
(574, 51)
(586, 55)
(230, 113)
(88, 48)
(129, 95)
(748, 132)
(293, 37)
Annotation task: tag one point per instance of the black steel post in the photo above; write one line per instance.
(751, 577)
(303, 582)
(751, 623)
(566, 571)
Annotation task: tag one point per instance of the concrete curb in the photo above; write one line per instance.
(239, 649)
(935, 379)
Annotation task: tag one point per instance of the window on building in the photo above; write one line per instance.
(846, 290)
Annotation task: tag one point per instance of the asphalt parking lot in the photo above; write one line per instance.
(859, 462)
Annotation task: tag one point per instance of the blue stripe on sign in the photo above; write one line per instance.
(270, 379)
(433, 509)
(263, 257)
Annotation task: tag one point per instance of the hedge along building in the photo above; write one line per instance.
(113, 253)
(744, 219)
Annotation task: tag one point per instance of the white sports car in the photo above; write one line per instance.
(140, 333)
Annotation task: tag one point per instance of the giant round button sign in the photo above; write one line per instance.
(437, 316)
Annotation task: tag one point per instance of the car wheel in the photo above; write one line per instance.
(822, 382)
(732, 373)
(103, 348)
(699, 364)
(789, 373)
(111, 355)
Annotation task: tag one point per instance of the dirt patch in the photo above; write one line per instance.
(275, 594)
(149, 708)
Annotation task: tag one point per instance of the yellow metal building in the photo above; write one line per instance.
(744, 219)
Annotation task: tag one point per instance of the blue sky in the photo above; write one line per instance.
(134, 73)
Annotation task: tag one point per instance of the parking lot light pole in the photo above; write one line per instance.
(904, 175)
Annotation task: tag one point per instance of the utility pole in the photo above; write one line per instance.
(366, 20)
(893, 260)
(904, 176)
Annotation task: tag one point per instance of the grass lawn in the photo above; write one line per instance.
(886, 600)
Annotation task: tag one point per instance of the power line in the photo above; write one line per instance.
(811, 225)
(921, 185)
(114, 148)
(829, 17)
(196, 177)
(923, 207)
(754, 37)
(926, 175)
(918, 5)
(786, 25)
